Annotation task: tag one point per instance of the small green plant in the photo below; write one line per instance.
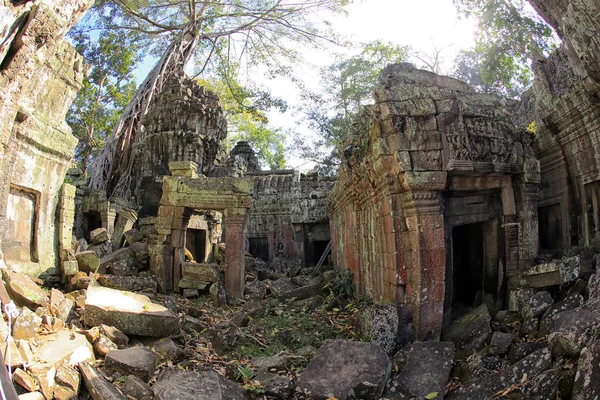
(532, 128)
(341, 285)
(245, 374)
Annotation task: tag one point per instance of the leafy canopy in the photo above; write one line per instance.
(510, 35)
(348, 85)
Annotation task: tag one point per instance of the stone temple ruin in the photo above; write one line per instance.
(447, 199)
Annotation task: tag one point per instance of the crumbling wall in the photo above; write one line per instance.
(563, 110)
(578, 24)
(40, 74)
(425, 160)
(185, 122)
(288, 215)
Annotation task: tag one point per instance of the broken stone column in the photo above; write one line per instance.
(235, 239)
(108, 215)
(125, 221)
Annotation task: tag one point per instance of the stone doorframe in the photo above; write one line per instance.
(184, 192)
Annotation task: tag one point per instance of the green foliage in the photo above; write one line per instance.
(348, 85)
(108, 88)
(510, 35)
(341, 285)
(246, 109)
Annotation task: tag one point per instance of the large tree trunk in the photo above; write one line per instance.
(111, 170)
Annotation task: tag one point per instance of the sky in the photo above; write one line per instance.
(425, 25)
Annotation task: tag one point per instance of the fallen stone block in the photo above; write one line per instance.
(343, 369)
(125, 256)
(426, 371)
(61, 392)
(302, 292)
(24, 291)
(87, 261)
(56, 296)
(98, 236)
(265, 364)
(486, 388)
(378, 324)
(63, 347)
(131, 313)
(68, 376)
(141, 253)
(63, 311)
(519, 351)
(255, 290)
(101, 249)
(587, 384)
(201, 272)
(132, 236)
(164, 348)
(133, 361)
(471, 330)
(26, 324)
(44, 375)
(542, 387)
(276, 386)
(129, 283)
(115, 335)
(136, 388)
(122, 268)
(572, 329)
(25, 380)
(104, 345)
(32, 396)
(98, 387)
(574, 300)
(500, 343)
(175, 384)
(537, 305)
(518, 298)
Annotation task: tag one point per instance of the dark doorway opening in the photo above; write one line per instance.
(195, 242)
(319, 247)
(550, 228)
(259, 247)
(93, 221)
(468, 265)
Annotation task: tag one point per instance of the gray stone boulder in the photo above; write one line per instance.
(500, 343)
(99, 235)
(379, 325)
(123, 258)
(136, 388)
(537, 305)
(265, 364)
(572, 329)
(471, 330)
(26, 324)
(175, 384)
(276, 386)
(98, 387)
(255, 290)
(132, 361)
(281, 286)
(24, 291)
(486, 388)
(132, 314)
(140, 249)
(87, 261)
(587, 384)
(594, 289)
(571, 302)
(519, 351)
(132, 236)
(164, 348)
(129, 283)
(426, 371)
(345, 370)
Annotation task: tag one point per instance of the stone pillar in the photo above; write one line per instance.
(181, 218)
(125, 221)
(65, 230)
(426, 251)
(235, 222)
(107, 215)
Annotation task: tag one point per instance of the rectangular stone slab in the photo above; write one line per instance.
(131, 313)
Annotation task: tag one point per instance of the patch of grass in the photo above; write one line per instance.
(289, 327)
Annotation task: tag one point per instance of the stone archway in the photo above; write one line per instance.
(184, 192)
